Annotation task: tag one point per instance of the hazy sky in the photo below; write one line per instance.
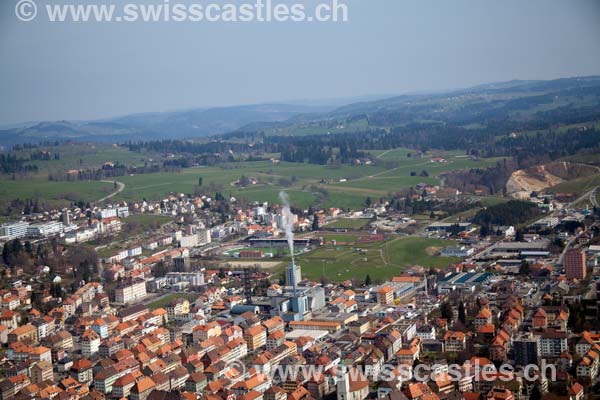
(52, 71)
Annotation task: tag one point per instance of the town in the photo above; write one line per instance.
(300, 200)
(191, 307)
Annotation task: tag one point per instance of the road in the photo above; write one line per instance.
(586, 195)
(594, 197)
(120, 187)
(382, 154)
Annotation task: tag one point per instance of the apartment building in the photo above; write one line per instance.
(130, 291)
(42, 371)
(26, 332)
(90, 343)
(255, 337)
(455, 341)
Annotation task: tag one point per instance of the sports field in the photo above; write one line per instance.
(348, 223)
(381, 260)
(278, 251)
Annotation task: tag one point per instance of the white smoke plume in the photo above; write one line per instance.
(288, 222)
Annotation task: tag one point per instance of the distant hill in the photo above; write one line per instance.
(476, 107)
(167, 125)
(515, 103)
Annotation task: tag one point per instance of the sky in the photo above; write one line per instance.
(82, 71)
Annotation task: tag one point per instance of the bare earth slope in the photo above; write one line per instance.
(540, 177)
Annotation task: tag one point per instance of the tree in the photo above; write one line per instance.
(368, 281)
(447, 312)
(462, 314)
(368, 202)
(160, 269)
(56, 290)
(454, 229)
(512, 212)
(484, 231)
(519, 236)
(17, 247)
(535, 394)
(524, 269)
(6, 253)
(315, 223)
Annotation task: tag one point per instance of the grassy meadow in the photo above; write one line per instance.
(345, 186)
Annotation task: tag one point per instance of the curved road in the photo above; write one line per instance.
(594, 197)
(120, 187)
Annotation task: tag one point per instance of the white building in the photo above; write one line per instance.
(80, 236)
(553, 343)
(193, 278)
(426, 332)
(134, 251)
(189, 241)
(90, 343)
(258, 211)
(293, 274)
(107, 213)
(457, 251)
(45, 229)
(546, 223)
(130, 291)
(502, 230)
(204, 237)
(13, 230)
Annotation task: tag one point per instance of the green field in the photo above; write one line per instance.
(146, 219)
(393, 154)
(340, 237)
(577, 186)
(163, 302)
(381, 260)
(137, 224)
(302, 129)
(306, 184)
(348, 223)
(280, 251)
(486, 201)
(53, 193)
(85, 156)
(346, 199)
